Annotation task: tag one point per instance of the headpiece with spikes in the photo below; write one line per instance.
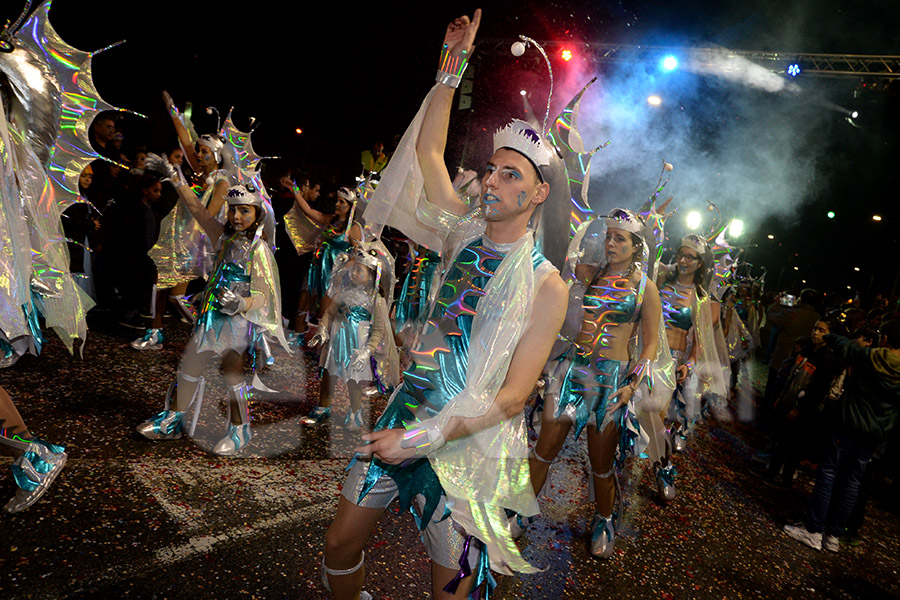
(699, 245)
(520, 136)
(622, 218)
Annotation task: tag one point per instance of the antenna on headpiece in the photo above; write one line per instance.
(528, 41)
(714, 230)
(209, 111)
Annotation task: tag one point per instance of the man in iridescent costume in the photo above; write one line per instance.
(452, 443)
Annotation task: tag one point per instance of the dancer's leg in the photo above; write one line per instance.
(550, 442)
(344, 543)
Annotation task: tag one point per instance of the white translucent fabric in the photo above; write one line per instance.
(487, 472)
(708, 376)
(376, 334)
(66, 308)
(15, 245)
(738, 335)
(32, 243)
(399, 200)
(265, 284)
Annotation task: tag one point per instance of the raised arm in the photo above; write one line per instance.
(183, 136)
(318, 217)
(218, 198)
(208, 222)
(432, 139)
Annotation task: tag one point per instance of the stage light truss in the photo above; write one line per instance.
(861, 66)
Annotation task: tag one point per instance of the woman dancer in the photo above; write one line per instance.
(617, 302)
(355, 329)
(339, 235)
(689, 316)
(181, 253)
(241, 303)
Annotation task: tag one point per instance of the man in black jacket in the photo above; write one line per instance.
(863, 419)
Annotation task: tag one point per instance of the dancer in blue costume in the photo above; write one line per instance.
(241, 304)
(611, 301)
(340, 234)
(355, 331)
(452, 441)
(690, 315)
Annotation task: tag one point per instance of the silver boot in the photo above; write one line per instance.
(33, 473)
(665, 482)
(679, 438)
(603, 537)
(167, 425)
(236, 436)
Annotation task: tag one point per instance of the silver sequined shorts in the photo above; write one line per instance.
(444, 540)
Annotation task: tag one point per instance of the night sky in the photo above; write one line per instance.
(779, 161)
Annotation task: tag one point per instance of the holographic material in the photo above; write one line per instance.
(183, 252)
(708, 375)
(33, 252)
(303, 231)
(586, 389)
(357, 321)
(451, 68)
(440, 358)
(566, 138)
(30, 469)
(334, 243)
(168, 423)
(247, 269)
(60, 105)
(460, 346)
(676, 307)
(414, 295)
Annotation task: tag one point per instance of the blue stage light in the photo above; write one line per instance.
(793, 69)
(669, 63)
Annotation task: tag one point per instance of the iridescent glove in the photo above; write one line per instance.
(359, 360)
(158, 164)
(320, 339)
(229, 302)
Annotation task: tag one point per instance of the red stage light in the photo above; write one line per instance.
(567, 55)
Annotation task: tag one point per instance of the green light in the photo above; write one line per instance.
(830, 214)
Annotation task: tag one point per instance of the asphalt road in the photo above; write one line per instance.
(130, 518)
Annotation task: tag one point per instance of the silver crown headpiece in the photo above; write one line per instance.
(520, 136)
(347, 194)
(622, 218)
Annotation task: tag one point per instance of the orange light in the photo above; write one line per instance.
(298, 131)
(567, 55)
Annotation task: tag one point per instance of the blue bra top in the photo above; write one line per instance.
(613, 299)
(674, 313)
